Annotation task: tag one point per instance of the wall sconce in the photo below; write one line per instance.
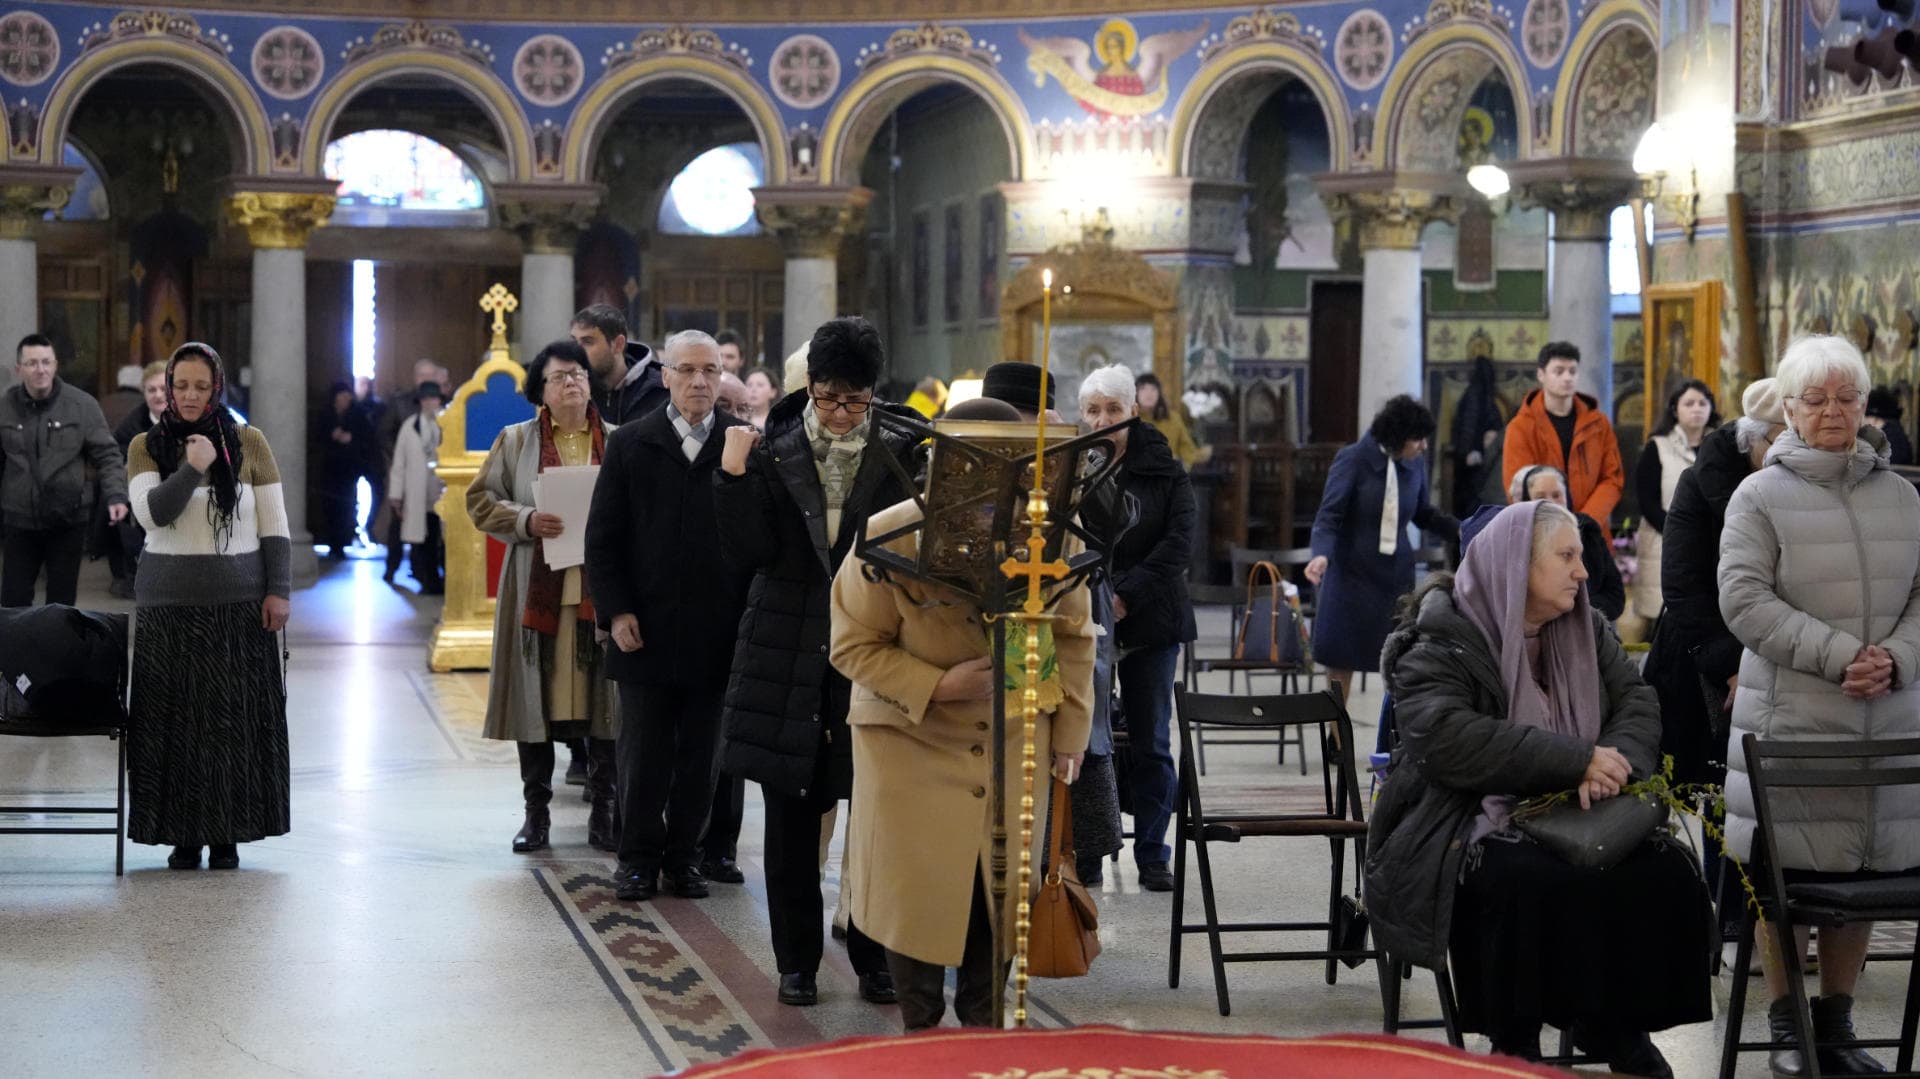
(1654, 159)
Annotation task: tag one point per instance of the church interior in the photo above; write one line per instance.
(1289, 213)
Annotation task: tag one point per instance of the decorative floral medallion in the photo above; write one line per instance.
(548, 70)
(29, 48)
(1544, 28)
(288, 63)
(1363, 49)
(804, 72)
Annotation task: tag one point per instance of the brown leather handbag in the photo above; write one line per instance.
(1065, 936)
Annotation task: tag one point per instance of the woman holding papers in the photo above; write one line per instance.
(548, 681)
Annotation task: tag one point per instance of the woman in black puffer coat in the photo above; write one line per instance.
(790, 504)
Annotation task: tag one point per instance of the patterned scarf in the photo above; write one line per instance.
(1016, 666)
(544, 583)
(837, 459)
(167, 438)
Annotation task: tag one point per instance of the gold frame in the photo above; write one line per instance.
(1697, 305)
(1107, 284)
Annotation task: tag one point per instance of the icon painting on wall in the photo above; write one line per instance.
(1117, 73)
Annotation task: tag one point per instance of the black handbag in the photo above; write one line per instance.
(1596, 838)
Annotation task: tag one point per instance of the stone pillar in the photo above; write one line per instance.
(25, 194)
(1389, 219)
(548, 219)
(1581, 194)
(810, 222)
(278, 222)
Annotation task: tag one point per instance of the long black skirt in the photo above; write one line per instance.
(208, 753)
(1537, 940)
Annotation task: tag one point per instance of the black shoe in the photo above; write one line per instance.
(223, 856)
(121, 587)
(577, 771)
(876, 987)
(1629, 1052)
(1155, 878)
(1787, 1063)
(184, 858)
(686, 883)
(601, 834)
(1518, 1040)
(799, 990)
(1089, 872)
(634, 884)
(839, 933)
(532, 835)
(1833, 1038)
(723, 871)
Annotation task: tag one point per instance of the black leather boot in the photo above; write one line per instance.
(1833, 1039)
(603, 834)
(532, 835)
(536, 786)
(1786, 1063)
(1629, 1052)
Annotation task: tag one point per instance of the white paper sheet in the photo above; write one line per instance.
(567, 492)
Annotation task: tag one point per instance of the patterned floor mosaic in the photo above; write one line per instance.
(458, 703)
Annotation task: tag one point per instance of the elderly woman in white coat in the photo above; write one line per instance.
(1820, 581)
(549, 678)
(414, 488)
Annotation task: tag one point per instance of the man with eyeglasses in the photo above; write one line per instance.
(672, 604)
(628, 377)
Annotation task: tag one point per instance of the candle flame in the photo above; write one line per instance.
(1046, 278)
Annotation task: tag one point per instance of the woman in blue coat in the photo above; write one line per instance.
(1362, 558)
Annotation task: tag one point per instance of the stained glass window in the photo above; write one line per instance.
(389, 177)
(713, 195)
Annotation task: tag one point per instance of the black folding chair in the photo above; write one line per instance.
(1858, 765)
(1334, 816)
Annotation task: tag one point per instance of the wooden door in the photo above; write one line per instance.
(1333, 358)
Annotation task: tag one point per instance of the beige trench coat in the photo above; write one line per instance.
(920, 824)
(500, 501)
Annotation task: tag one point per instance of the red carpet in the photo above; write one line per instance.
(1101, 1052)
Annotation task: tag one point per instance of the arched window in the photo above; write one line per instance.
(400, 178)
(1623, 259)
(713, 195)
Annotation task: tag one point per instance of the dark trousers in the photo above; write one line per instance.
(1146, 687)
(27, 551)
(124, 542)
(722, 838)
(795, 911)
(394, 545)
(921, 987)
(669, 757)
(536, 770)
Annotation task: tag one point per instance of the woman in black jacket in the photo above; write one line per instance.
(791, 501)
(1507, 686)
(1152, 611)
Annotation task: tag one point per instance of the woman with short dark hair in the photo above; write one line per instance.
(1362, 559)
(549, 674)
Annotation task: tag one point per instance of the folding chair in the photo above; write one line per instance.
(1335, 816)
(1867, 764)
(1193, 666)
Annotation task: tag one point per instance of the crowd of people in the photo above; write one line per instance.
(718, 632)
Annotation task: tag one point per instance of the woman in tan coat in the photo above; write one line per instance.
(549, 679)
(921, 717)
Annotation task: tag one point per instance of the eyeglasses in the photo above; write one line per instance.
(1816, 399)
(560, 377)
(688, 370)
(852, 408)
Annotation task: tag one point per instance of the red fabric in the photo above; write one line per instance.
(496, 557)
(544, 583)
(1595, 476)
(1099, 1051)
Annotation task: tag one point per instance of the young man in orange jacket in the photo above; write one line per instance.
(1556, 426)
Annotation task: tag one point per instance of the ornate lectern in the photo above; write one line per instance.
(481, 408)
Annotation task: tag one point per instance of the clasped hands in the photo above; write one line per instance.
(972, 680)
(1870, 675)
(1607, 772)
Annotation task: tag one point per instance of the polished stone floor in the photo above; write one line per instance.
(393, 932)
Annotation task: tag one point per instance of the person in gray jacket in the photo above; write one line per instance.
(1820, 581)
(49, 433)
(1507, 685)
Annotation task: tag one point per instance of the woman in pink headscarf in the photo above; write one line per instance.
(1507, 685)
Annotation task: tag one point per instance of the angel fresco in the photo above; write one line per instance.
(1131, 79)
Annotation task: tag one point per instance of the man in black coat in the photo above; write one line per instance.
(672, 604)
(791, 503)
(628, 379)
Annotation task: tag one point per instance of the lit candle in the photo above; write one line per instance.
(1046, 346)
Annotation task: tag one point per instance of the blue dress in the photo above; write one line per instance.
(1355, 606)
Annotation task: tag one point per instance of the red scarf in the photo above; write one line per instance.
(544, 583)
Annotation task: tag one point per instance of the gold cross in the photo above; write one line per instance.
(1035, 571)
(498, 301)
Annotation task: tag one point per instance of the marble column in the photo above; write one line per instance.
(278, 222)
(25, 194)
(1389, 220)
(810, 222)
(1581, 194)
(548, 219)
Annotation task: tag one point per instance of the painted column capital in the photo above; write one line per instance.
(1389, 211)
(1580, 192)
(548, 217)
(809, 221)
(280, 214)
(26, 193)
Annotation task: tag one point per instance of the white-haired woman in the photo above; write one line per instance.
(1820, 581)
(1153, 615)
